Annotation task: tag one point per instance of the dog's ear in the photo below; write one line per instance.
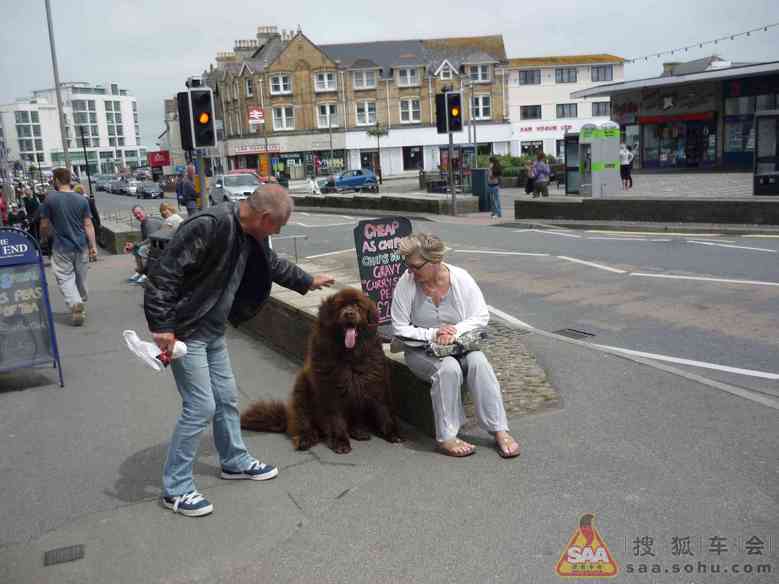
(370, 309)
(328, 311)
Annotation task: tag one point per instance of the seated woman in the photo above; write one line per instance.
(438, 301)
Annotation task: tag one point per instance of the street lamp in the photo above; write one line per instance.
(378, 130)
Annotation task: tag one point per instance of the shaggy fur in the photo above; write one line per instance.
(342, 390)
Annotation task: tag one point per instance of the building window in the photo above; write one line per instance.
(412, 158)
(532, 147)
(480, 73)
(566, 110)
(284, 118)
(114, 89)
(530, 112)
(601, 109)
(530, 77)
(40, 157)
(446, 73)
(25, 145)
(366, 113)
(364, 79)
(327, 116)
(325, 81)
(482, 107)
(409, 111)
(120, 141)
(249, 88)
(280, 84)
(23, 131)
(565, 75)
(22, 117)
(603, 73)
(408, 77)
(34, 117)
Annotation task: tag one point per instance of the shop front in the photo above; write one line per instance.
(743, 98)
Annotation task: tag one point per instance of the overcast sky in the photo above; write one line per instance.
(151, 46)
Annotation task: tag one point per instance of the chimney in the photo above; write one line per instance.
(266, 33)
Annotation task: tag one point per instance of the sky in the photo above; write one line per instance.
(150, 46)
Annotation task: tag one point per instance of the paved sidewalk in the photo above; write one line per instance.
(649, 453)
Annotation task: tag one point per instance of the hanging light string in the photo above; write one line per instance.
(701, 44)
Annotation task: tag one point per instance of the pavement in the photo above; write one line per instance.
(655, 456)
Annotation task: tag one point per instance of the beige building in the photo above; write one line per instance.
(313, 105)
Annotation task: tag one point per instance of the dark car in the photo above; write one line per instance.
(102, 182)
(149, 190)
(357, 180)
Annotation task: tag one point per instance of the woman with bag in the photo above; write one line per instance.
(435, 301)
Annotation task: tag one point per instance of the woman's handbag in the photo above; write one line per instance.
(464, 344)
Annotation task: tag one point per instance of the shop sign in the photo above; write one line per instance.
(159, 158)
(255, 148)
(552, 128)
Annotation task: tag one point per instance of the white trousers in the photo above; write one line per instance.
(70, 269)
(446, 377)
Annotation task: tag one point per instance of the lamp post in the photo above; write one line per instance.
(57, 87)
(378, 130)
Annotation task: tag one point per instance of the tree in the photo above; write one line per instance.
(378, 130)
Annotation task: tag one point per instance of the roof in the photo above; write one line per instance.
(564, 60)
(669, 80)
(385, 54)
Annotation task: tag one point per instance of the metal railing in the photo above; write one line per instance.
(294, 239)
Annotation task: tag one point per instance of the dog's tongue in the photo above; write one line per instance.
(350, 338)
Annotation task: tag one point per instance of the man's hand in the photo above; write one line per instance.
(322, 281)
(165, 341)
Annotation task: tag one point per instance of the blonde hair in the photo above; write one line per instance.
(427, 245)
(165, 206)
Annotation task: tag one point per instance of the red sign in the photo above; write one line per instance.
(159, 158)
(256, 116)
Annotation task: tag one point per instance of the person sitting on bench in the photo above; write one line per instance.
(140, 249)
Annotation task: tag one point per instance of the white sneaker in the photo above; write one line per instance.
(149, 352)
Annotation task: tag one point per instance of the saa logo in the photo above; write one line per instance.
(586, 555)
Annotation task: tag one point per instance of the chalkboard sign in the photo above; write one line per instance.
(27, 337)
(378, 258)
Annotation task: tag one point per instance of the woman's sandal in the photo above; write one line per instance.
(456, 448)
(505, 447)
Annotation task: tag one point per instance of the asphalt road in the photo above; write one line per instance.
(705, 298)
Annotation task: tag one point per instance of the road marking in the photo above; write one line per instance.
(732, 246)
(756, 396)
(762, 236)
(517, 253)
(620, 239)
(692, 363)
(346, 217)
(593, 265)
(651, 233)
(703, 279)
(321, 255)
(548, 232)
(325, 225)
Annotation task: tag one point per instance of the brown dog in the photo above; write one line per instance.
(343, 388)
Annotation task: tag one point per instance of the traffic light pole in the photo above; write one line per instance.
(450, 169)
(204, 202)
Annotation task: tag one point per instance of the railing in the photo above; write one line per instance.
(294, 239)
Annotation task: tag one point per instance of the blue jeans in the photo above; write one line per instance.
(206, 383)
(191, 207)
(494, 194)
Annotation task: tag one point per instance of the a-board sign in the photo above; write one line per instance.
(378, 258)
(27, 336)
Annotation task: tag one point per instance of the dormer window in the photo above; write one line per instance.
(446, 73)
(364, 79)
(479, 73)
(408, 77)
(325, 81)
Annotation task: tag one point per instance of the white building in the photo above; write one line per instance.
(107, 114)
(541, 109)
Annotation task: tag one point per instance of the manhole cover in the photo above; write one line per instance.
(574, 334)
(64, 554)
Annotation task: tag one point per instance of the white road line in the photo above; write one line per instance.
(593, 265)
(762, 236)
(321, 255)
(691, 363)
(346, 217)
(619, 239)
(732, 246)
(700, 278)
(325, 225)
(628, 233)
(548, 232)
(756, 396)
(517, 253)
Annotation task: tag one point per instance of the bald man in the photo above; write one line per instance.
(217, 268)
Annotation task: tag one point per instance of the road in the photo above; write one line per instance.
(707, 300)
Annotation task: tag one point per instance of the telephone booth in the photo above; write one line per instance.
(766, 164)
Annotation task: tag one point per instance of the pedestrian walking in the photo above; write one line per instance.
(3, 209)
(625, 165)
(493, 187)
(188, 192)
(218, 267)
(67, 215)
(179, 190)
(541, 173)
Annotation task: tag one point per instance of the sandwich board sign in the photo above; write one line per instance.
(378, 257)
(27, 336)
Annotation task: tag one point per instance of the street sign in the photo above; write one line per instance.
(158, 158)
(256, 116)
(27, 336)
(378, 259)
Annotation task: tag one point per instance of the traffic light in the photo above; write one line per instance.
(185, 121)
(202, 107)
(440, 112)
(455, 112)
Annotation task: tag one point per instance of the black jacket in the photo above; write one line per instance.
(196, 265)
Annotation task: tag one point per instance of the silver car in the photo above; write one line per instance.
(233, 187)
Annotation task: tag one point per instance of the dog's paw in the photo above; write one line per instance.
(395, 438)
(359, 434)
(303, 442)
(341, 446)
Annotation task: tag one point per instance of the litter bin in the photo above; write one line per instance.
(479, 178)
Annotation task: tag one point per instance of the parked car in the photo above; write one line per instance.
(233, 186)
(354, 180)
(115, 186)
(103, 182)
(149, 190)
(129, 187)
